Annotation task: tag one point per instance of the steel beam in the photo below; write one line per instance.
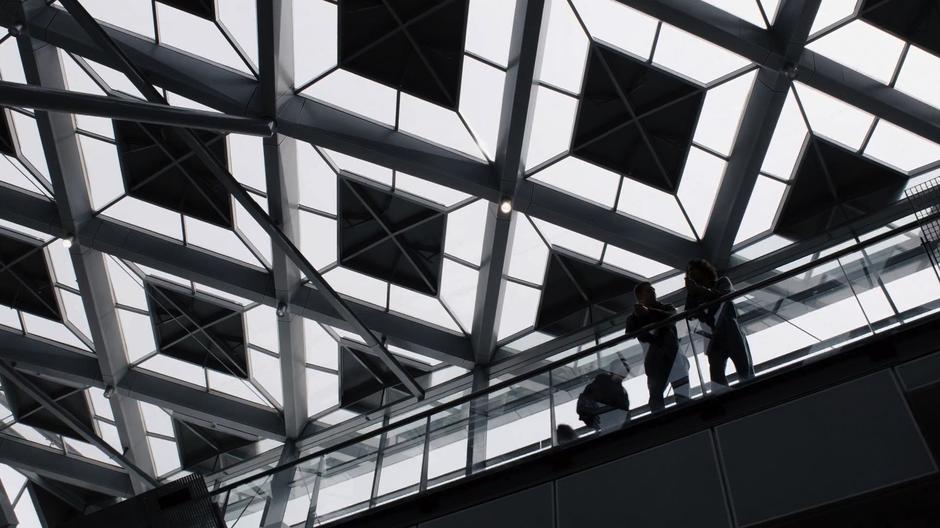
(276, 64)
(758, 123)
(603, 224)
(765, 49)
(15, 94)
(275, 505)
(126, 242)
(510, 151)
(72, 422)
(66, 169)
(7, 515)
(42, 358)
(44, 461)
(90, 26)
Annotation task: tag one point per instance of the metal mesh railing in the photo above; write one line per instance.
(925, 201)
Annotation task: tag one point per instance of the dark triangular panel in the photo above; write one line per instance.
(28, 411)
(200, 8)
(576, 294)
(204, 449)
(833, 186)
(416, 47)
(362, 378)
(149, 157)
(917, 21)
(635, 120)
(7, 145)
(367, 247)
(176, 315)
(26, 283)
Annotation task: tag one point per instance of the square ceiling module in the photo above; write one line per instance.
(198, 330)
(635, 120)
(416, 47)
(159, 168)
(25, 281)
(389, 237)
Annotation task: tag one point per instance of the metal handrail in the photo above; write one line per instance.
(680, 316)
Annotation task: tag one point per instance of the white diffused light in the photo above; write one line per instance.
(505, 206)
(67, 242)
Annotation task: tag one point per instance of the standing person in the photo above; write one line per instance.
(604, 394)
(726, 340)
(663, 362)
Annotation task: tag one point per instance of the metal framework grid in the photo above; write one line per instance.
(270, 106)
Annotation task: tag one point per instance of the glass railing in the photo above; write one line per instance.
(788, 316)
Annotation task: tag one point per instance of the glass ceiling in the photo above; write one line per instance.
(633, 141)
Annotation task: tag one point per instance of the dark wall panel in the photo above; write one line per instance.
(828, 446)
(676, 484)
(920, 372)
(532, 508)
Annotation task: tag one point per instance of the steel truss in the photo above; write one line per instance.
(268, 106)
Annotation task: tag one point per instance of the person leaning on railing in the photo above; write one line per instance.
(720, 323)
(604, 394)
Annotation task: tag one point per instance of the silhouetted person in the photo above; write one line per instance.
(565, 434)
(663, 362)
(604, 393)
(726, 340)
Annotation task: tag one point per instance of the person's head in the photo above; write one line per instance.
(617, 368)
(702, 272)
(645, 293)
(564, 433)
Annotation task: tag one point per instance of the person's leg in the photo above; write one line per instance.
(680, 387)
(741, 356)
(716, 367)
(656, 387)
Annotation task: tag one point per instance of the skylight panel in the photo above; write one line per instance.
(770, 9)
(693, 57)
(787, 142)
(862, 47)
(147, 216)
(895, 146)
(634, 263)
(421, 188)
(437, 124)
(489, 29)
(458, 291)
(744, 9)
(699, 186)
(349, 282)
(321, 347)
(318, 239)
(423, 307)
(763, 247)
(15, 174)
(317, 179)
(246, 158)
(552, 123)
(222, 241)
(356, 95)
(114, 79)
(920, 76)
(528, 254)
(261, 327)
(464, 237)
(102, 165)
(315, 47)
(11, 66)
(240, 18)
(570, 240)
(582, 179)
(360, 167)
(605, 20)
(654, 206)
(564, 48)
(481, 102)
(135, 16)
(834, 119)
(520, 304)
(832, 11)
(197, 35)
(761, 208)
(722, 112)
(30, 144)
